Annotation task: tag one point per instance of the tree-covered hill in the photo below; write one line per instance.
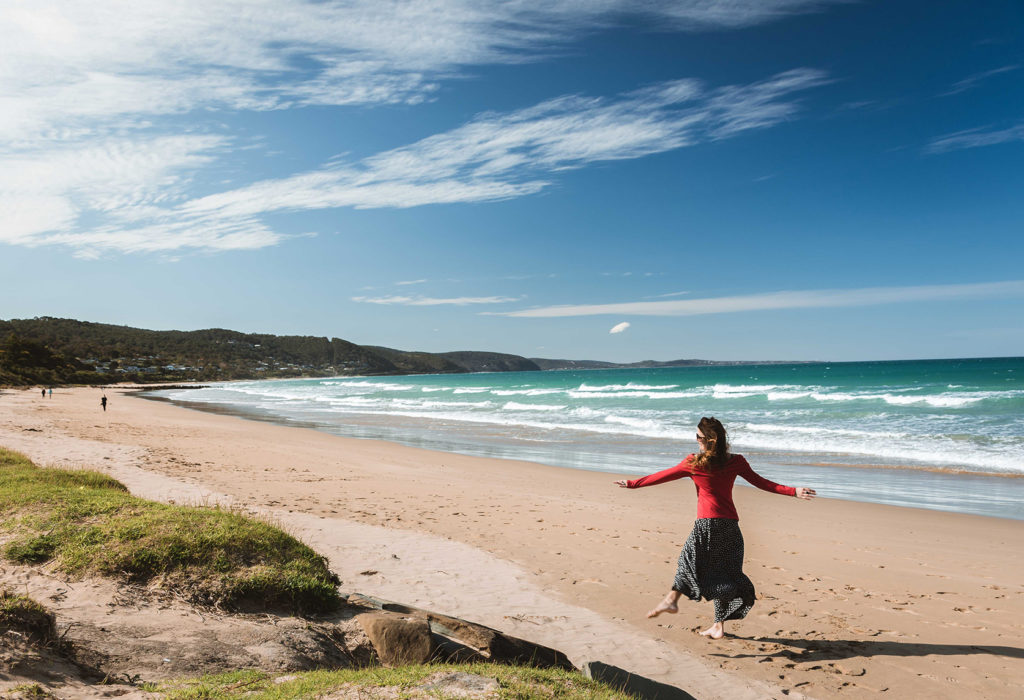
(58, 350)
(64, 351)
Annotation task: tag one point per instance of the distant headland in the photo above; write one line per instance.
(48, 350)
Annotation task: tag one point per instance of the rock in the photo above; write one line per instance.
(643, 688)
(851, 669)
(399, 639)
(458, 640)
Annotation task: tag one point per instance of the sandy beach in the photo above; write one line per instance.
(854, 599)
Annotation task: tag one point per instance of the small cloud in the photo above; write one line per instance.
(620, 327)
(430, 301)
(976, 138)
(409, 282)
(790, 299)
(666, 296)
(857, 104)
(972, 81)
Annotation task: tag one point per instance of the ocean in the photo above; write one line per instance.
(940, 434)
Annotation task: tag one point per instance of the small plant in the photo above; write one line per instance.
(27, 691)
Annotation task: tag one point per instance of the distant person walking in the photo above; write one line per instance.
(711, 563)
(49, 393)
(103, 402)
(44, 393)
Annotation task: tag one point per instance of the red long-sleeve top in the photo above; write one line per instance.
(714, 488)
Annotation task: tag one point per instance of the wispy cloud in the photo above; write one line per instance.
(667, 296)
(408, 283)
(975, 138)
(493, 157)
(501, 156)
(71, 64)
(619, 327)
(431, 301)
(805, 299)
(103, 84)
(972, 81)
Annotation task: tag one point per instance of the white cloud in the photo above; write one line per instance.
(975, 138)
(90, 95)
(972, 81)
(431, 301)
(125, 181)
(501, 156)
(407, 283)
(69, 62)
(666, 296)
(619, 327)
(820, 298)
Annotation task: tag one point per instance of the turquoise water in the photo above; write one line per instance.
(941, 430)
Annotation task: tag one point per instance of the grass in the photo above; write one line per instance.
(515, 682)
(86, 523)
(28, 690)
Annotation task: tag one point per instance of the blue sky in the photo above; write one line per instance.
(750, 179)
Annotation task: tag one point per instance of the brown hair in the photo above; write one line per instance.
(716, 446)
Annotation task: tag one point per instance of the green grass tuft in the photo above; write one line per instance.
(26, 691)
(88, 524)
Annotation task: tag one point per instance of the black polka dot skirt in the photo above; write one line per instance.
(711, 568)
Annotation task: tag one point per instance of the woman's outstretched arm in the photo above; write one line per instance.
(767, 485)
(671, 474)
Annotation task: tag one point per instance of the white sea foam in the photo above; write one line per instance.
(949, 400)
(442, 405)
(831, 417)
(513, 406)
(626, 387)
(925, 450)
(646, 426)
(590, 394)
(787, 395)
(375, 386)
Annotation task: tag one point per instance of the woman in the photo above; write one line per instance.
(711, 563)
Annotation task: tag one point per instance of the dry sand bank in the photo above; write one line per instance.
(856, 598)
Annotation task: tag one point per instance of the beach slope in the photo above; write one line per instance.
(854, 599)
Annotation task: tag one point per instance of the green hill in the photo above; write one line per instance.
(65, 351)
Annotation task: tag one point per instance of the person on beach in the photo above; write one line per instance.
(711, 563)
(103, 402)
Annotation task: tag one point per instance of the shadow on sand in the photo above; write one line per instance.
(834, 649)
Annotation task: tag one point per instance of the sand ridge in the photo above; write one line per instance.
(855, 599)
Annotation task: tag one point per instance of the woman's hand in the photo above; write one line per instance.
(805, 493)
(622, 484)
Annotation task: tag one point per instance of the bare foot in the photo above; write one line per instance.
(666, 606)
(715, 631)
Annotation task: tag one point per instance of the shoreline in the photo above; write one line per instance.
(219, 409)
(976, 503)
(853, 597)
